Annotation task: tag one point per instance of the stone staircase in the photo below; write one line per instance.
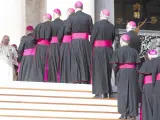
(53, 101)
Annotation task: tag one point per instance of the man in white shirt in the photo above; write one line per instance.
(8, 56)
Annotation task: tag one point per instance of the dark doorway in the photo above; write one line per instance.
(138, 11)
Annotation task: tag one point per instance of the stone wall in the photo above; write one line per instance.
(34, 11)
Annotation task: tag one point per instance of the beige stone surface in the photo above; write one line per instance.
(12, 20)
(34, 11)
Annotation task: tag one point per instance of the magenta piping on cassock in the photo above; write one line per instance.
(28, 52)
(140, 112)
(46, 69)
(46, 74)
(126, 65)
(67, 39)
(19, 66)
(54, 39)
(58, 76)
(103, 43)
(84, 36)
(43, 42)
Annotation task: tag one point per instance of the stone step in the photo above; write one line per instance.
(58, 107)
(47, 86)
(60, 114)
(54, 100)
(29, 118)
(42, 93)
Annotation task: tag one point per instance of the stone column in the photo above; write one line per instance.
(65, 4)
(34, 11)
(110, 6)
(12, 20)
(104, 4)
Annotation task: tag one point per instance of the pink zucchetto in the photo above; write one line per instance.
(125, 38)
(71, 10)
(29, 28)
(57, 11)
(131, 25)
(152, 54)
(105, 12)
(78, 4)
(47, 16)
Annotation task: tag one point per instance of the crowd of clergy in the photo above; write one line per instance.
(76, 51)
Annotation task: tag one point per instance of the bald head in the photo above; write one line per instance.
(5, 40)
(47, 17)
(70, 11)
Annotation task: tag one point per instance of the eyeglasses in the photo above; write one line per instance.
(6, 40)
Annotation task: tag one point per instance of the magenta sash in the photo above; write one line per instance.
(127, 65)
(103, 43)
(148, 79)
(67, 39)
(84, 36)
(158, 76)
(54, 39)
(43, 42)
(28, 52)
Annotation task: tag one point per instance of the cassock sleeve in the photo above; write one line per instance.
(114, 61)
(93, 35)
(61, 34)
(114, 34)
(117, 39)
(142, 72)
(90, 25)
(36, 32)
(21, 49)
(144, 69)
(138, 61)
(154, 73)
(48, 34)
(141, 78)
(68, 28)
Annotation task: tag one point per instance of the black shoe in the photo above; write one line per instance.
(83, 82)
(106, 95)
(122, 116)
(98, 96)
(132, 118)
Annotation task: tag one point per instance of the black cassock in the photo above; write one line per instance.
(102, 37)
(43, 35)
(156, 88)
(145, 83)
(135, 40)
(80, 25)
(65, 61)
(125, 62)
(54, 51)
(26, 53)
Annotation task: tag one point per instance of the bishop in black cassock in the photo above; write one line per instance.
(102, 37)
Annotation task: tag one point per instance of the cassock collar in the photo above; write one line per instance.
(30, 34)
(57, 19)
(79, 11)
